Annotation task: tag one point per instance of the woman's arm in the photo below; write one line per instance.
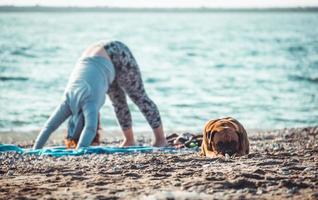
(91, 122)
(61, 113)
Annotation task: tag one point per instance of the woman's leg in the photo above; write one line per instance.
(118, 99)
(61, 113)
(129, 78)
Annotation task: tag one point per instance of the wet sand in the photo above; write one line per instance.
(283, 164)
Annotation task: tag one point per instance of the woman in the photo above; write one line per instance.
(103, 68)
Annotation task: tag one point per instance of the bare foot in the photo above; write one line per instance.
(160, 139)
(126, 143)
(162, 143)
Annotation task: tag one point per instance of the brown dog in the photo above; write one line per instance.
(224, 136)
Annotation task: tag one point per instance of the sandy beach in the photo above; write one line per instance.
(283, 164)
(159, 64)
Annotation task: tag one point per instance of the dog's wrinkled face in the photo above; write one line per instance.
(224, 136)
(225, 140)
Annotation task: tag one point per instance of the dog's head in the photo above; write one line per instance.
(224, 140)
(224, 136)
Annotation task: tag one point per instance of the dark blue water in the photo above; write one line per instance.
(261, 68)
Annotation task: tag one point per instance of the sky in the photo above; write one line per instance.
(168, 3)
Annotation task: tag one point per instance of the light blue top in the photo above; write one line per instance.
(89, 82)
(85, 93)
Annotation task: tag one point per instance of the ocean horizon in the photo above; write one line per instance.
(42, 8)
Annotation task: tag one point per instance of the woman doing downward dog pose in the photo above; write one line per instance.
(103, 68)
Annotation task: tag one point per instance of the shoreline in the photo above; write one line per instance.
(25, 138)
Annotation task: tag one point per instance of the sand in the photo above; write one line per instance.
(283, 164)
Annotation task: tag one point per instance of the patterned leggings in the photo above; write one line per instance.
(128, 80)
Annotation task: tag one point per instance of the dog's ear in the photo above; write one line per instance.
(210, 136)
(240, 141)
(242, 135)
(209, 139)
(209, 133)
(207, 136)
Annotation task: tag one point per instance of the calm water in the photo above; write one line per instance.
(261, 68)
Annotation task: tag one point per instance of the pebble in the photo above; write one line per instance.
(207, 165)
(276, 147)
(240, 191)
(116, 168)
(259, 191)
(259, 171)
(315, 195)
(177, 184)
(308, 169)
(307, 155)
(135, 166)
(286, 172)
(10, 173)
(227, 157)
(292, 190)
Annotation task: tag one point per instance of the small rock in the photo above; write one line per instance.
(259, 191)
(315, 195)
(240, 191)
(206, 165)
(308, 169)
(131, 174)
(259, 171)
(62, 158)
(286, 172)
(227, 157)
(240, 184)
(293, 190)
(116, 168)
(10, 173)
(177, 184)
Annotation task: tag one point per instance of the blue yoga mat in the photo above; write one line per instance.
(62, 151)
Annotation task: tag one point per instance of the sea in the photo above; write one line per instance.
(258, 67)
